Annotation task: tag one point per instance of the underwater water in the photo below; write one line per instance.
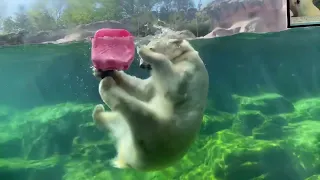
(262, 121)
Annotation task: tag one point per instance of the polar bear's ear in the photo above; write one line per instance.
(176, 41)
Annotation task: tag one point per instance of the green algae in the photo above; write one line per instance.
(62, 140)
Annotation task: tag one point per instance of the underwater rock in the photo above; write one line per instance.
(6, 112)
(314, 177)
(47, 130)
(10, 144)
(278, 119)
(304, 134)
(305, 109)
(216, 122)
(243, 158)
(88, 132)
(92, 144)
(246, 121)
(303, 138)
(102, 150)
(18, 169)
(219, 152)
(271, 129)
(268, 104)
(309, 108)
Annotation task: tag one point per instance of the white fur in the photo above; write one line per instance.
(304, 8)
(154, 121)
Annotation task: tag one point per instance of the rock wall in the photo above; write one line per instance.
(228, 17)
(231, 17)
(79, 33)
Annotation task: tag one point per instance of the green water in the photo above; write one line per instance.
(262, 120)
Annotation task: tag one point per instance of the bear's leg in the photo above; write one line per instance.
(113, 122)
(103, 119)
(119, 161)
(137, 113)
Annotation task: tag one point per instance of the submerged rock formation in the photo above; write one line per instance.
(61, 142)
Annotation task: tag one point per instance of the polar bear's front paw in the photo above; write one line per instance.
(107, 83)
(97, 111)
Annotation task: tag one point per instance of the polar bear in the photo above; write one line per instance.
(303, 8)
(155, 120)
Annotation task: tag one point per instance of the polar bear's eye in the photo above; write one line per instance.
(152, 49)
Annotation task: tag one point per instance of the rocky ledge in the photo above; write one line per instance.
(85, 32)
(218, 18)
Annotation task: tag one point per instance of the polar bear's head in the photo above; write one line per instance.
(172, 48)
(303, 8)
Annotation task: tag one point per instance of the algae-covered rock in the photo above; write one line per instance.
(271, 129)
(307, 109)
(216, 122)
(314, 177)
(86, 167)
(45, 131)
(268, 131)
(18, 169)
(88, 132)
(243, 158)
(102, 150)
(246, 121)
(304, 134)
(303, 139)
(6, 112)
(10, 145)
(247, 145)
(280, 120)
(10, 141)
(223, 156)
(268, 104)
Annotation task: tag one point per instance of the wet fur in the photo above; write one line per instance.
(155, 120)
